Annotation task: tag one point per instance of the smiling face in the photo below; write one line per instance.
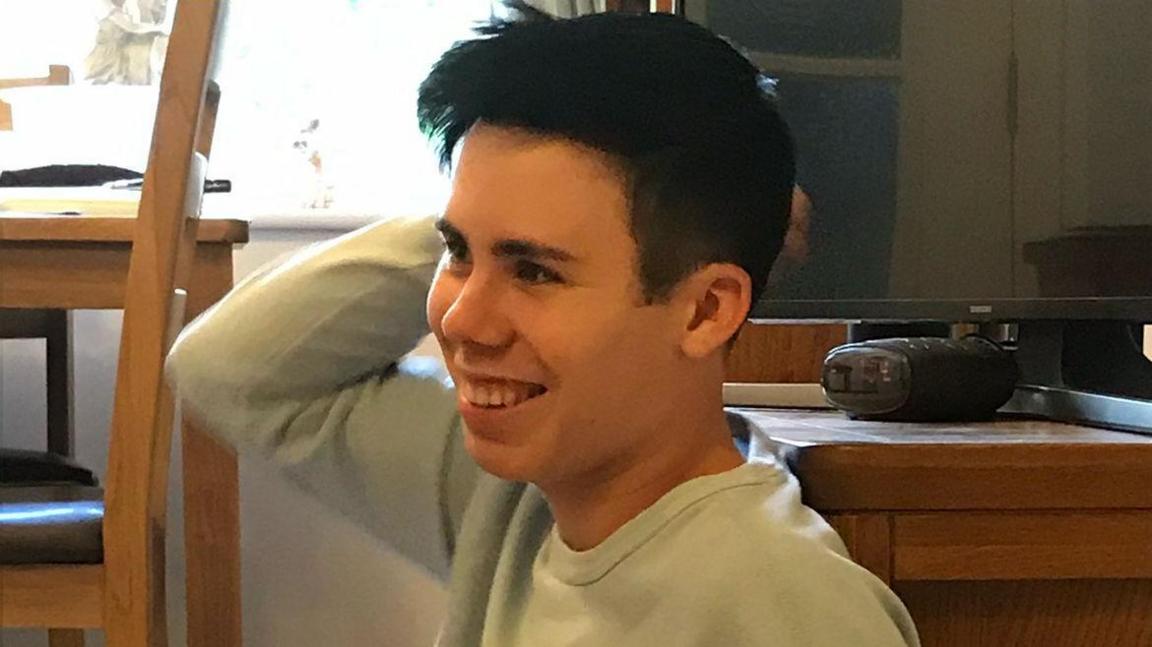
(561, 370)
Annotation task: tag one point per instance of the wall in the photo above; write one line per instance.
(309, 577)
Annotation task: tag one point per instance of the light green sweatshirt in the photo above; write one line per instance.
(304, 363)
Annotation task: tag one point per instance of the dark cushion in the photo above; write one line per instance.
(25, 467)
(51, 524)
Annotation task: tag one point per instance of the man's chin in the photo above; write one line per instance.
(504, 461)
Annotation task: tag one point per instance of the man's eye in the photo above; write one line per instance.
(535, 274)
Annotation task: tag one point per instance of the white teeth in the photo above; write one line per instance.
(487, 395)
(495, 396)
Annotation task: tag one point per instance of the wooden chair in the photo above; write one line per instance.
(53, 326)
(115, 579)
(57, 75)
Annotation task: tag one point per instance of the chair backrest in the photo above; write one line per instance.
(55, 328)
(51, 325)
(162, 253)
(57, 75)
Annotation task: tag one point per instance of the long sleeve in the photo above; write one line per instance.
(303, 364)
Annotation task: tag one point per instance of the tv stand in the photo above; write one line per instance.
(994, 534)
(1087, 372)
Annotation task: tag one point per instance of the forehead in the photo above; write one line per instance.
(512, 184)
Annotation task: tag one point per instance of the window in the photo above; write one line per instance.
(318, 105)
(318, 98)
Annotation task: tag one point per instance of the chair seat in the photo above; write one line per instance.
(21, 467)
(51, 524)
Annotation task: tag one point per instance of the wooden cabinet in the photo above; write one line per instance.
(1014, 533)
(782, 353)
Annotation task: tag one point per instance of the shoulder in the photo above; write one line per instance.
(785, 572)
(759, 529)
(761, 514)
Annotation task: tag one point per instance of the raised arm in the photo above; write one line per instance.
(303, 363)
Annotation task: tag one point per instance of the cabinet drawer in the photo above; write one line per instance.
(1022, 545)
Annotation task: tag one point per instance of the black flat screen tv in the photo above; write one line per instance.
(969, 160)
(972, 161)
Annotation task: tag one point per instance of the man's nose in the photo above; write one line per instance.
(477, 315)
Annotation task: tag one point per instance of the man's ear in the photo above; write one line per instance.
(714, 300)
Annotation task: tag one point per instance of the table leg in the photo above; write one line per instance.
(212, 541)
(211, 495)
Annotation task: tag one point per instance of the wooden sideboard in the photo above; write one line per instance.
(1004, 534)
(782, 353)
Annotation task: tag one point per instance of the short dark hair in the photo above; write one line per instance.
(692, 124)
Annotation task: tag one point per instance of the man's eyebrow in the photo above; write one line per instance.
(515, 247)
(532, 250)
(447, 229)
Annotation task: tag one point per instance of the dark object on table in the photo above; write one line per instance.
(210, 186)
(925, 379)
(58, 175)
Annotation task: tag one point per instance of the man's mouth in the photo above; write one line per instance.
(499, 394)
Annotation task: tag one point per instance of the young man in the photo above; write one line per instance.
(621, 186)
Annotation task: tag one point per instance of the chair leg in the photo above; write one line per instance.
(65, 638)
(61, 406)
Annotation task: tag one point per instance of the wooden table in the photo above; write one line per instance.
(1013, 533)
(82, 263)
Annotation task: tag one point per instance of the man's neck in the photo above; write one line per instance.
(588, 513)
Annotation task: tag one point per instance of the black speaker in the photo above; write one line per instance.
(923, 379)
